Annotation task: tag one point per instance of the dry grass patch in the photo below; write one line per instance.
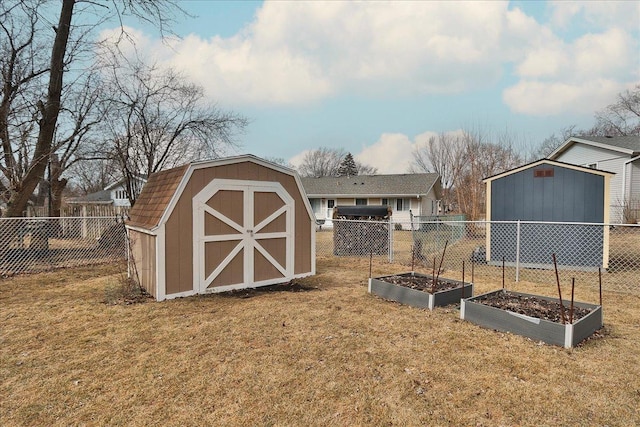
(331, 356)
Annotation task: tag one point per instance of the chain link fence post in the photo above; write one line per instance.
(518, 251)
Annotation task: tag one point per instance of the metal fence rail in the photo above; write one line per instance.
(30, 245)
(526, 248)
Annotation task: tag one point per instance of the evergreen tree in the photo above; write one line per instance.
(348, 166)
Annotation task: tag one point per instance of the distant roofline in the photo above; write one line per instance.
(584, 140)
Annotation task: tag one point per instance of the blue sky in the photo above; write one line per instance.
(377, 79)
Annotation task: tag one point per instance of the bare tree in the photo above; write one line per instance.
(326, 162)
(279, 161)
(363, 169)
(34, 58)
(443, 154)
(620, 118)
(157, 120)
(551, 143)
(463, 161)
(321, 162)
(90, 176)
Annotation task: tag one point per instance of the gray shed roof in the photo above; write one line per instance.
(371, 185)
(626, 144)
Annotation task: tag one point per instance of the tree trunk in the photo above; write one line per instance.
(20, 193)
(57, 187)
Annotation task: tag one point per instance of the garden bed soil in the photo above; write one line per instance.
(533, 316)
(415, 289)
(533, 306)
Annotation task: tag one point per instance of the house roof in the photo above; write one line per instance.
(155, 197)
(547, 162)
(629, 145)
(141, 178)
(102, 197)
(162, 190)
(371, 185)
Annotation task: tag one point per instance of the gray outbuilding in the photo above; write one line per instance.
(548, 191)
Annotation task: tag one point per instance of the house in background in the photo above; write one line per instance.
(114, 194)
(617, 154)
(419, 193)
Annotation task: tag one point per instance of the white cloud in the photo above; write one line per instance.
(575, 76)
(597, 14)
(296, 53)
(549, 98)
(390, 154)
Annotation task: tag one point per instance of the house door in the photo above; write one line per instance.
(331, 203)
(243, 235)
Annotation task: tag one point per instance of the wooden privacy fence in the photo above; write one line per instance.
(80, 211)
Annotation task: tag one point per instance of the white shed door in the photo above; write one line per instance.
(243, 235)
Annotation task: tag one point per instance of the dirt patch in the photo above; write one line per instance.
(532, 306)
(421, 283)
(291, 286)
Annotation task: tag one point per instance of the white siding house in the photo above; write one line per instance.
(406, 194)
(620, 155)
(114, 194)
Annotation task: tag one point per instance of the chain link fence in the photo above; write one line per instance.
(523, 250)
(30, 245)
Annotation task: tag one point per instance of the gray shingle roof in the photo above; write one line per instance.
(370, 185)
(628, 142)
(99, 197)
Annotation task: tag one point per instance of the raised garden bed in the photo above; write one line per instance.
(533, 316)
(415, 289)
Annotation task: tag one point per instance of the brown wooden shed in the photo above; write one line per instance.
(213, 226)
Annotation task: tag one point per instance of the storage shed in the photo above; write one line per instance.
(549, 191)
(213, 226)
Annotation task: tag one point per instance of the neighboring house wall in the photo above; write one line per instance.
(406, 194)
(603, 159)
(617, 154)
(426, 205)
(119, 196)
(634, 180)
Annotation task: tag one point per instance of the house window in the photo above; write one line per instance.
(403, 204)
(385, 202)
(315, 205)
(361, 202)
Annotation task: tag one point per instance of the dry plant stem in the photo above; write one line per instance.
(555, 266)
(573, 285)
(442, 258)
(600, 284)
(433, 276)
